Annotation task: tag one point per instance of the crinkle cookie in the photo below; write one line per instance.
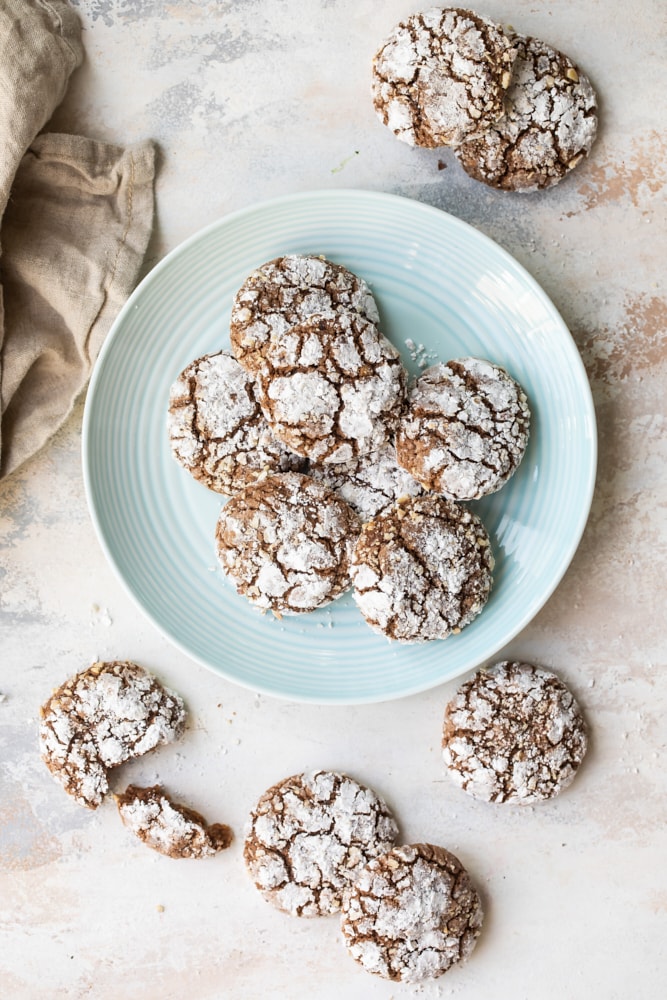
(412, 914)
(422, 569)
(101, 718)
(549, 125)
(309, 837)
(513, 733)
(170, 828)
(216, 427)
(286, 291)
(332, 387)
(465, 429)
(370, 483)
(286, 543)
(441, 75)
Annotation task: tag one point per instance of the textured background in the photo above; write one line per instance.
(257, 98)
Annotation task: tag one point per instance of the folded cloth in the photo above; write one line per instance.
(75, 220)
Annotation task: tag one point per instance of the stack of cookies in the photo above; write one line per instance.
(518, 113)
(337, 474)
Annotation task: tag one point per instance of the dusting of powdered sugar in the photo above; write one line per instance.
(368, 484)
(440, 76)
(167, 827)
(549, 125)
(217, 430)
(286, 543)
(332, 387)
(286, 291)
(310, 835)
(412, 914)
(101, 718)
(465, 429)
(422, 569)
(513, 733)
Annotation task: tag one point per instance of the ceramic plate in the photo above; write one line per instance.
(440, 286)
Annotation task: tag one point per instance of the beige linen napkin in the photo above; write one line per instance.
(75, 220)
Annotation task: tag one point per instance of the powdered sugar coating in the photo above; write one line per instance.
(310, 835)
(422, 569)
(286, 543)
(370, 483)
(101, 718)
(465, 429)
(332, 387)
(412, 914)
(216, 427)
(286, 291)
(441, 75)
(549, 124)
(513, 733)
(170, 828)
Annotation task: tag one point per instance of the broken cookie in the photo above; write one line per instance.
(100, 718)
(172, 829)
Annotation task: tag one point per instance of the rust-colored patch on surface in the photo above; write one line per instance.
(642, 173)
(24, 842)
(637, 344)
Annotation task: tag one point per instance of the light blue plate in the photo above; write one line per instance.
(439, 283)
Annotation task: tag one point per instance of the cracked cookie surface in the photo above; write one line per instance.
(465, 429)
(217, 430)
(286, 543)
(310, 835)
(170, 828)
(332, 387)
(441, 75)
(370, 483)
(549, 124)
(102, 717)
(422, 569)
(286, 291)
(412, 914)
(513, 733)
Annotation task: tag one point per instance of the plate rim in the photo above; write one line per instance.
(322, 194)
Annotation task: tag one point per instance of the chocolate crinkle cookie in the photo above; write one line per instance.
(548, 127)
(310, 835)
(422, 569)
(170, 828)
(369, 483)
(332, 387)
(412, 914)
(465, 429)
(216, 427)
(286, 291)
(286, 543)
(101, 718)
(441, 75)
(513, 733)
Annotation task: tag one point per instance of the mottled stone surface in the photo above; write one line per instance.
(257, 98)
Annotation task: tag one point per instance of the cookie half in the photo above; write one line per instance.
(513, 733)
(216, 427)
(465, 429)
(548, 127)
(286, 291)
(169, 828)
(102, 717)
(310, 835)
(412, 914)
(286, 543)
(422, 569)
(441, 76)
